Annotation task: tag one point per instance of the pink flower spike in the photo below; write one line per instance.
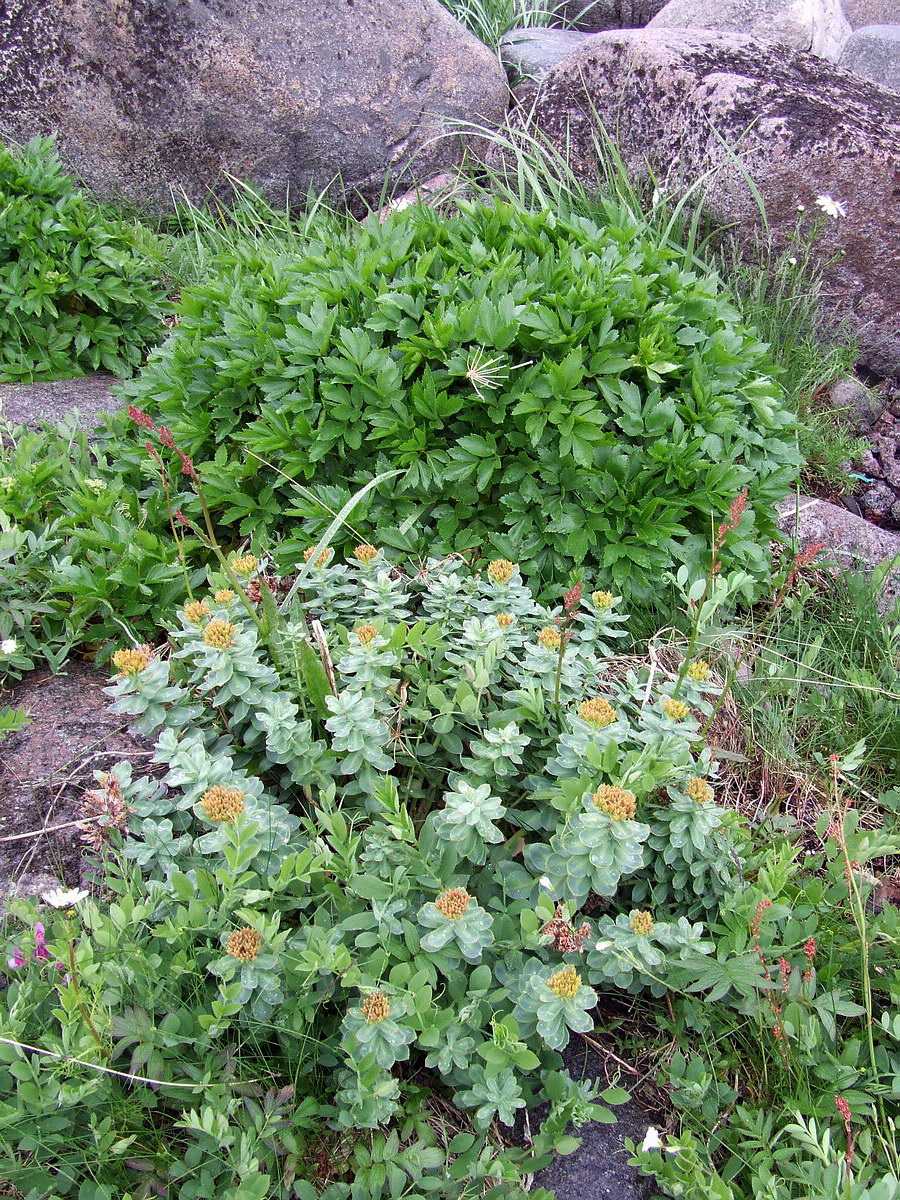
(40, 950)
(17, 960)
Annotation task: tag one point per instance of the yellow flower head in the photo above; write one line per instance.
(132, 662)
(222, 804)
(602, 600)
(504, 620)
(550, 637)
(323, 558)
(565, 983)
(365, 553)
(453, 903)
(244, 944)
(641, 922)
(698, 670)
(224, 596)
(597, 712)
(365, 633)
(196, 611)
(219, 634)
(501, 570)
(676, 709)
(699, 791)
(618, 803)
(375, 1008)
(244, 564)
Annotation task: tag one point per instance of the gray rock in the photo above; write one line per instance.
(32, 403)
(595, 15)
(858, 405)
(151, 98)
(709, 109)
(887, 447)
(874, 53)
(849, 541)
(877, 500)
(872, 12)
(818, 26)
(532, 52)
(869, 464)
(895, 511)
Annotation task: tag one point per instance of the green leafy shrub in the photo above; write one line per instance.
(556, 391)
(76, 290)
(85, 546)
(341, 896)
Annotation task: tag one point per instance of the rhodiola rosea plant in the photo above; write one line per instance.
(399, 837)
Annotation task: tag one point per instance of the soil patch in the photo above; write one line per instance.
(45, 769)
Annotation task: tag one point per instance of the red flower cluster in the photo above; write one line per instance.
(166, 438)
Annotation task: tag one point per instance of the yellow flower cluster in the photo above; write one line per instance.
(132, 662)
(641, 923)
(365, 633)
(565, 983)
(699, 791)
(244, 944)
(196, 611)
(375, 1008)
(618, 803)
(219, 634)
(602, 600)
(597, 712)
(365, 553)
(322, 559)
(698, 670)
(501, 570)
(224, 596)
(453, 903)
(504, 620)
(676, 709)
(550, 637)
(222, 804)
(244, 564)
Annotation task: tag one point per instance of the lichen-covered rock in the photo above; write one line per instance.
(151, 96)
(872, 12)
(818, 26)
(874, 53)
(722, 107)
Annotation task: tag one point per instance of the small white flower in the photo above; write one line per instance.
(8, 646)
(545, 883)
(64, 897)
(801, 208)
(652, 1140)
(831, 207)
(793, 261)
(657, 196)
(603, 945)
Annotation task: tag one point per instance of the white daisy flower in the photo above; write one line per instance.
(831, 207)
(64, 897)
(8, 646)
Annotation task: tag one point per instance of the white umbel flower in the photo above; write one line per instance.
(64, 897)
(8, 646)
(831, 207)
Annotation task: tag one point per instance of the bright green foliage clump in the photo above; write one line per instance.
(76, 291)
(554, 390)
(353, 852)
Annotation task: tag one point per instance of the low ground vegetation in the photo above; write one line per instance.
(378, 562)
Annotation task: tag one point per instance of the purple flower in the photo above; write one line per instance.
(17, 960)
(40, 950)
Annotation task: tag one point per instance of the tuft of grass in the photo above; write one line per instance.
(489, 20)
(828, 677)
